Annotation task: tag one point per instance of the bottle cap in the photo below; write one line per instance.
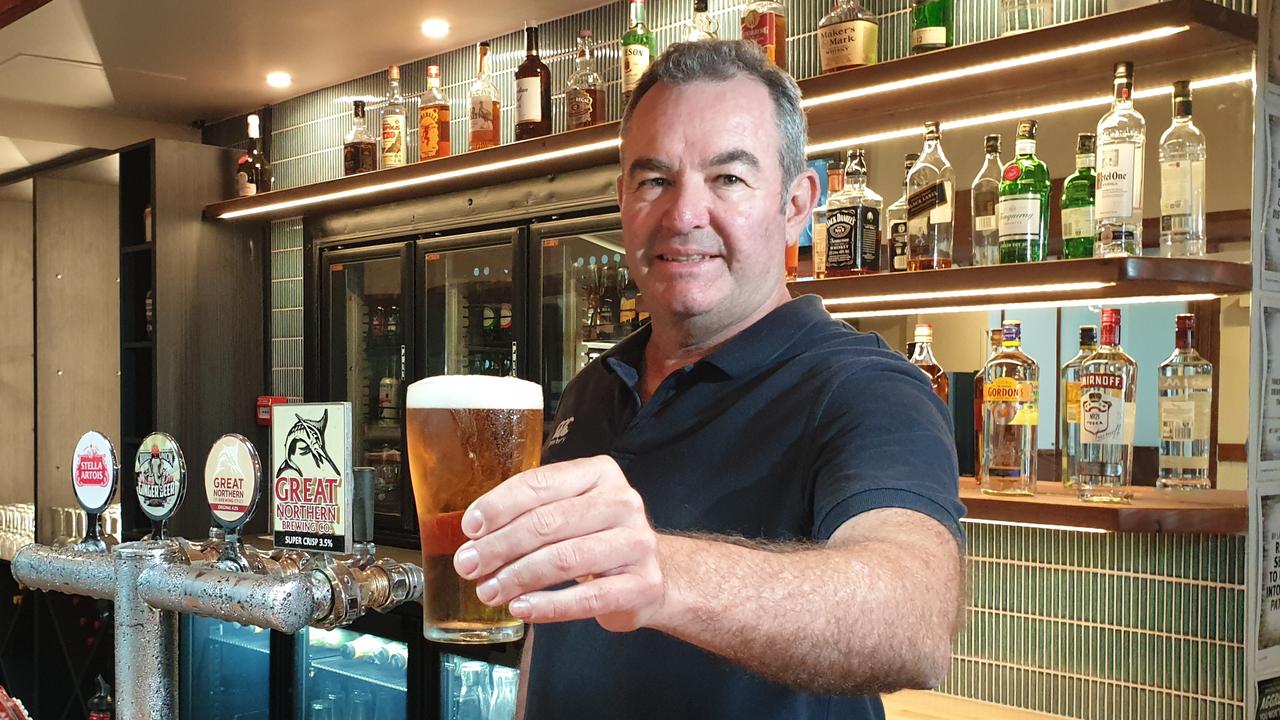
(1185, 321)
(393, 72)
(1086, 144)
(357, 108)
(433, 71)
(924, 332)
(1088, 335)
(254, 124)
(1012, 332)
(991, 143)
(1027, 130)
(1124, 70)
(584, 33)
(1110, 316)
(931, 129)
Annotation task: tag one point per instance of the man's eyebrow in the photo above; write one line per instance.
(733, 157)
(649, 164)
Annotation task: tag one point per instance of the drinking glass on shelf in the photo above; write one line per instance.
(1018, 16)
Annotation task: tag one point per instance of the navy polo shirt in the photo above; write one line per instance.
(789, 429)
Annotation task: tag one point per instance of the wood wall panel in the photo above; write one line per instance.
(17, 392)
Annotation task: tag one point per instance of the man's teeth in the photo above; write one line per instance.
(685, 258)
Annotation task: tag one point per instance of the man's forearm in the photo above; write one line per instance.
(864, 617)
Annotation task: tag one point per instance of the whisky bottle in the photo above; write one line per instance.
(1023, 212)
(583, 98)
(931, 25)
(1108, 387)
(984, 195)
(639, 47)
(1010, 418)
(253, 171)
(931, 192)
(393, 122)
(995, 337)
(765, 24)
(485, 109)
(895, 223)
(848, 37)
(1182, 157)
(1121, 148)
(922, 357)
(853, 223)
(1186, 401)
(1069, 416)
(1078, 230)
(701, 26)
(358, 147)
(433, 118)
(533, 90)
(835, 183)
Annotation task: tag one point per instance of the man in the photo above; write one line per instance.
(752, 512)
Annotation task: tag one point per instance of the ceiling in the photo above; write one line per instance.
(94, 73)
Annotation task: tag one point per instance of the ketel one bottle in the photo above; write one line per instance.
(853, 223)
(1108, 384)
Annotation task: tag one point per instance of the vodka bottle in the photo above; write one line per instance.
(1069, 392)
(1121, 149)
(1182, 181)
(1186, 399)
(984, 194)
(1108, 388)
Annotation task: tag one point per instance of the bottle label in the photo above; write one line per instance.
(1072, 402)
(357, 158)
(1178, 420)
(528, 100)
(868, 231)
(1180, 181)
(929, 37)
(580, 107)
(1019, 217)
(819, 247)
(934, 199)
(484, 122)
(392, 140)
(1013, 400)
(433, 131)
(244, 188)
(1102, 408)
(898, 234)
(840, 239)
(635, 60)
(769, 31)
(848, 44)
(1025, 146)
(1119, 187)
(1078, 222)
(984, 209)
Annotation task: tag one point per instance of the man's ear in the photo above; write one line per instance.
(802, 198)
(617, 188)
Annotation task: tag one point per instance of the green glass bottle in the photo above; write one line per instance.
(639, 48)
(1022, 215)
(931, 25)
(1078, 230)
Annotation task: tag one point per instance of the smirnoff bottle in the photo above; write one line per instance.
(984, 195)
(895, 223)
(1069, 391)
(1182, 181)
(1010, 418)
(930, 204)
(1108, 387)
(1121, 149)
(1186, 398)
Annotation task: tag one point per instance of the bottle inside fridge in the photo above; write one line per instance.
(347, 675)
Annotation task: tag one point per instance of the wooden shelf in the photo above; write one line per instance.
(1215, 512)
(1223, 40)
(1053, 281)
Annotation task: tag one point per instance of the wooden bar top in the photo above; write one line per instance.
(1152, 510)
(929, 705)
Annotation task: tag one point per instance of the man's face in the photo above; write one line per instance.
(704, 220)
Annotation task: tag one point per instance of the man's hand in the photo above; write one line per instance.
(578, 519)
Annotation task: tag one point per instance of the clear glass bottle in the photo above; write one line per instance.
(433, 118)
(995, 336)
(1069, 413)
(506, 685)
(533, 90)
(473, 691)
(486, 109)
(1122, 134)
(1024, 202)
(701, 26)
(358, 147)
(922, 357)
(1108, 411)
(1017, 16)
(1186, 401)
(1078, 229)
(764, 22)
(1010, 418)
(984, 195)
(394, 126)
(853, 222)
(639, 48)
(835, 183)
(930, 192)
(931, 25)
(848, 37)
(584, 96)
(1182, 158)
(895, 222)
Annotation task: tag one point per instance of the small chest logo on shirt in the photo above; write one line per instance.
(562, 430)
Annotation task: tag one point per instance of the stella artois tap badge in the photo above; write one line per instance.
(161, 475)
(94, 471)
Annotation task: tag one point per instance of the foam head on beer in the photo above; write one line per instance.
(474, 392)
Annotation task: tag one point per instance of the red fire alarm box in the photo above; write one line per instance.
(264, 407)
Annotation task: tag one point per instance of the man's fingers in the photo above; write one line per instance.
(526, 490)
(600, 596)
(559, 562)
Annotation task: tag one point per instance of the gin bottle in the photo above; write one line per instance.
(896, 223)
(1078, 229)
(984, 194)
(922, 357)
(835, 183)
(1121, 149)
(1186, 396)
(1069, 392)
(1010, 417)
(1108, 386)
(1024, 202)
(853, 223)
(1182, 181)
(930, 191)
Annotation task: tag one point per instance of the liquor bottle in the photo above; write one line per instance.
(359, 151)
(1010, 417)
(433, 118)
(853, 223)
(393, 122)
(848, 37)
(765, 24)
(984, 195)
(835, 183)
(253, 172)
(1186, 399)
(1078, 230)
(486, 110)
(995, 336)
(922, 357)
(533, 90)
(1182, 156)
(701, 26)
(931, 25)
(930, 191)
(896, 234)
(1023, 211)
(584, 99)
(102, 706)
(1121, 148)
(1069, 392)
(367, 648)
(1108, 387)
(639, 46)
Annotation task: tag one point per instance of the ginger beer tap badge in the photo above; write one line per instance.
(161, 474)
(311, 476)
(231, 481)
(94, 472)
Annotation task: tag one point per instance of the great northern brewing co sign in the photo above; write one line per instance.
(311, 476)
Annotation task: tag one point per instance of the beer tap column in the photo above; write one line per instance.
(146, 636)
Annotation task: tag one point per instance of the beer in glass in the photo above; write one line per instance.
(467, 433)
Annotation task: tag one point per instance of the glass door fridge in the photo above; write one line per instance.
(225, 670)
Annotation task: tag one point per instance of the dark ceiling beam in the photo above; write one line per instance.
(13, 10)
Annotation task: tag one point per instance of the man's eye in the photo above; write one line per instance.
(653, 182)
(730, 180)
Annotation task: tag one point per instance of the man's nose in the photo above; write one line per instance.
(688, 209)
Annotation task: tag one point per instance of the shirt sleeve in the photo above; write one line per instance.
(884, 440)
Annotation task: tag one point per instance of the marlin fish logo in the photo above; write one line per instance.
(305, 445)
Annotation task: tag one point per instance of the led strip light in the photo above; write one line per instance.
(1039, 526)
(940, 294)
(1085, 302)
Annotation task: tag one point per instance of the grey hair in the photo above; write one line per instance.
(723, 60)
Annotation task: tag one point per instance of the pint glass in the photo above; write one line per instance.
(467, 433)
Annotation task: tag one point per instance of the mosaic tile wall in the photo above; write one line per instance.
(1075, 624)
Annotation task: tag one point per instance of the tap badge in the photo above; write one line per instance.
(310, 496)
(94, 471)
(161, 475)
(231, 480)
